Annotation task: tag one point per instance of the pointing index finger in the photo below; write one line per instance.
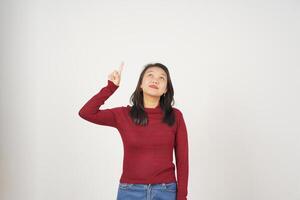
(121, 67)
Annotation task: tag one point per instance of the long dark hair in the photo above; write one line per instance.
(137, 112)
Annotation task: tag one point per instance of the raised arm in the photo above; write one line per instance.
(91, 112)
(182, 158)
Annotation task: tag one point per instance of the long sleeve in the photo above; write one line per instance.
(182, 158)
(90, 111)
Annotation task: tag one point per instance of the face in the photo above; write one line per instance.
(154, 81)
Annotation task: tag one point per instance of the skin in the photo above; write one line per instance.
(115, 76)
(152, 76)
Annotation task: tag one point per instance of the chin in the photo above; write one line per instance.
(153, 94)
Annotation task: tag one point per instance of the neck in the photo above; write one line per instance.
(151, 101)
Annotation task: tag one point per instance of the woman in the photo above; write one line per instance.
(150, 130)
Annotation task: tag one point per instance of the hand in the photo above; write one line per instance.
(115, 76)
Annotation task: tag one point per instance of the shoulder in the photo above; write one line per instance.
(178, 114)
(177, 111)
(180, 121)
(127, 107)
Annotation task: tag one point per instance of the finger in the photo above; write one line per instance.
(115, 73)
(121, 67)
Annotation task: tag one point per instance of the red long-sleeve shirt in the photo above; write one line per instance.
(148, 150)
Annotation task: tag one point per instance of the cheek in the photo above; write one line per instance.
(162, 89)
(164, 85)
(146, 80)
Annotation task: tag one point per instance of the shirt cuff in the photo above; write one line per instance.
(111, 85)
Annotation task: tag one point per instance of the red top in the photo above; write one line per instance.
(148, 150)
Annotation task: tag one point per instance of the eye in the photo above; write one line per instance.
(162, 78)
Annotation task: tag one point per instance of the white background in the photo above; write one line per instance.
(234, 67)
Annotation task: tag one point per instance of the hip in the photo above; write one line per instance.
(162, 191)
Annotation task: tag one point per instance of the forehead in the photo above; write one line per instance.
(157, 70)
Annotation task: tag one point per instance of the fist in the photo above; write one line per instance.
(115, 76)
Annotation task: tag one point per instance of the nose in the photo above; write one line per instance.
(155, 80)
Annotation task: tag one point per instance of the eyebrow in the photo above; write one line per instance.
(152, 71)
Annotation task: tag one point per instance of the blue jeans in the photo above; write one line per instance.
(162, 191)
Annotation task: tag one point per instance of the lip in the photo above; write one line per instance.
(153, 86)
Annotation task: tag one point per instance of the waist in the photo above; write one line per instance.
(147, 186)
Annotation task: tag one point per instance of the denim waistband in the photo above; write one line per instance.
(145, 186)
